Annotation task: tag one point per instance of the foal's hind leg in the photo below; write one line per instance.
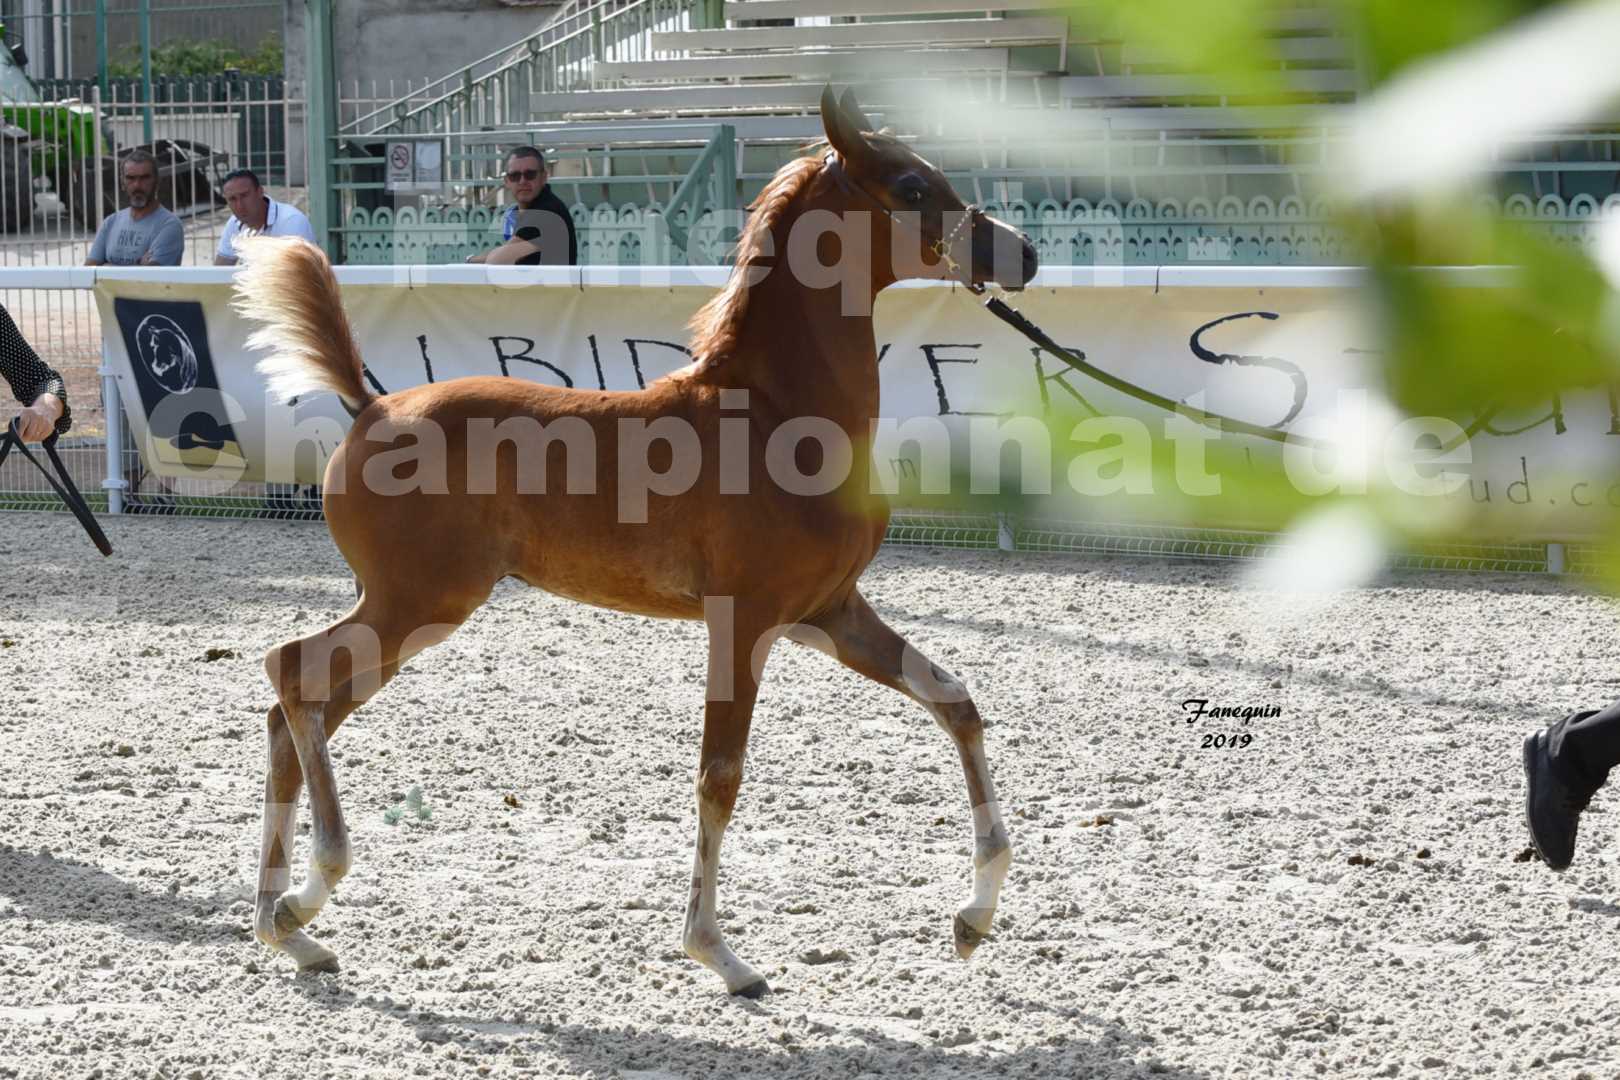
(863, 642)
(732, 689)
(356, 655)
(284, 781)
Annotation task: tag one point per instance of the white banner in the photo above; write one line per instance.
(1276, 347)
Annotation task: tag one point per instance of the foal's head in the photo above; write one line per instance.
(918, 216)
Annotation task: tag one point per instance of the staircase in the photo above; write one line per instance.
(1027, 106)
(904, 58)
(494, 92)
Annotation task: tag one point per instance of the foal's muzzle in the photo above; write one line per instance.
(1002, 255)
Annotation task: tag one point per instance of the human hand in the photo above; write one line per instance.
(147, 260)
(38, 420)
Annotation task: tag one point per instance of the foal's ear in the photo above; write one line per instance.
(852, 111)
(844, 133)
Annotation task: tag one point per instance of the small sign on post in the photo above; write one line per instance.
(415, 165)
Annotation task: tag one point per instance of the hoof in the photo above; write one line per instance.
(322, 965)
(967, 938)
(753, 991)
(310, 954)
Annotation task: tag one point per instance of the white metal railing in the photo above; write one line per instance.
(494, 89)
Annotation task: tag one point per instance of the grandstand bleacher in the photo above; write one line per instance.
(1103, 148)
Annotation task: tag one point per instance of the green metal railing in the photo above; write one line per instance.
(708, 195)
(1079, 233)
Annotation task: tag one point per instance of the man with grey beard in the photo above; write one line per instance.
(144, 233)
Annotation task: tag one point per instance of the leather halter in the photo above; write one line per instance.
(833, 166)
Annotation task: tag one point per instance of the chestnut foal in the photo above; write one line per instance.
(756, 562)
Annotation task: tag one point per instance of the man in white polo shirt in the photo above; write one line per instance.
(253, 210)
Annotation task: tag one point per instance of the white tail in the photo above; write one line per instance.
(287, 286)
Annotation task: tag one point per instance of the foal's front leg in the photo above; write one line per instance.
(856, 637)
(732, 688)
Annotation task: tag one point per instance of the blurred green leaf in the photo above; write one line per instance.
(1454, 350)
(1236, 39)
(1446, 350)
(1395, 34)
(1229, 38)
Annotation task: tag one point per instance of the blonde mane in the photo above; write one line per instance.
(715, 327)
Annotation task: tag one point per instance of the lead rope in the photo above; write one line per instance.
(1021, 322)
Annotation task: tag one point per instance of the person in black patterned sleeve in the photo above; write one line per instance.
(40, 389)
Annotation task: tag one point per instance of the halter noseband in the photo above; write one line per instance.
(941, 248)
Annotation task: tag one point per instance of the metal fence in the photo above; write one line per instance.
(245, 117)
(118, 481)
(20, 489)
(58, 185)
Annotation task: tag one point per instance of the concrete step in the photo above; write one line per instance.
(879, 9)
(1286, 49)
(1304, 19)
(813, 65)
(1059, 129)
(1204, 119)
(929, 32)
(761, 97)
(642, 132)
(1075, 89)
(1288, 20)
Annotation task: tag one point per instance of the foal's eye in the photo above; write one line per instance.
(914, 197)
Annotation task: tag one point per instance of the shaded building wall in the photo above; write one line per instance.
(378, 41)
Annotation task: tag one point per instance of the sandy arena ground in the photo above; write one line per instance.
(1342, 897)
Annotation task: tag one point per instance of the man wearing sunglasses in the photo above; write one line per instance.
(538, 230)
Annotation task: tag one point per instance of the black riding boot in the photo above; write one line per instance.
(1564, 765)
